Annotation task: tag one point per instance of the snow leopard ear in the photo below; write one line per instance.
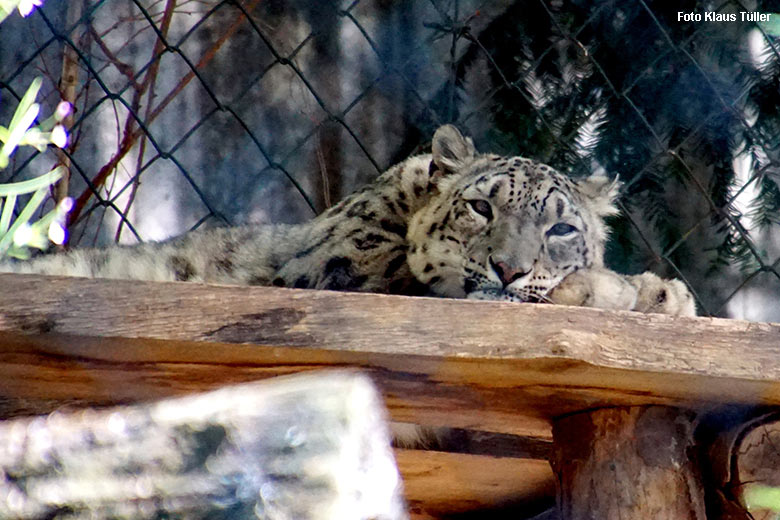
(451, 151)
(600, 193)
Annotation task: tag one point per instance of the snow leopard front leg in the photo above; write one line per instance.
(605, 289)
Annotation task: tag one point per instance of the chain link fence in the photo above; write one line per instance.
(196, 112)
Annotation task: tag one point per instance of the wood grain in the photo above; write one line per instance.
(743, 459)
(632, 462)
(499, 367)
(439, 483)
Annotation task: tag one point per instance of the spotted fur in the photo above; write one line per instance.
(452, 223)
(505, 228)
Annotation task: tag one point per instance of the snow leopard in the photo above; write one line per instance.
(451, 223)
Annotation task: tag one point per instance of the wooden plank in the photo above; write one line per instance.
(437, 484)
(313, 446)
(499, 367)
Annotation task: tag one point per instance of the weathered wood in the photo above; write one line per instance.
(313, 447)
(618, 463)
(492, 366)
(439, 484)
(756, 461)
(498, 367)
(741, 459)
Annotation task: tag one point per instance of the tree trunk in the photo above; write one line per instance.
(625, 463)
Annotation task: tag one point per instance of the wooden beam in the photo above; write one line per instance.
(439, 484)
(505, 368)
(498, 367)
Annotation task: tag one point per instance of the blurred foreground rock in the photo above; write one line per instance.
(314, 446)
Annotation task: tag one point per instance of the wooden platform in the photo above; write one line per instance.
(490, 367)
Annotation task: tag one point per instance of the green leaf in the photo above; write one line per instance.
(26, 214)
(20, 253)
(19, 130)
(8, 213)
(6, 8)
(757, 496)
(29, 186)
(26, 102)
(39, 186)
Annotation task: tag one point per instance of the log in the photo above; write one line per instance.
(628, 462)
(504, 368)
(744, 460)
(492, 366)
(757, 466)
(313, 447)
(443, 485)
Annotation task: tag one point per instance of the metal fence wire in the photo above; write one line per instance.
(198, 112)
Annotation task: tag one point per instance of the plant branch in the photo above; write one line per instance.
(132, 133)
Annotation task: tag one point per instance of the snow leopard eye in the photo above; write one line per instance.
(561, 229)
(481, 207)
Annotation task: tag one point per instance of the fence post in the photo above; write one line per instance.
(627, 462)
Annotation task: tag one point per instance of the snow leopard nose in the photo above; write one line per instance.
(506, 273)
